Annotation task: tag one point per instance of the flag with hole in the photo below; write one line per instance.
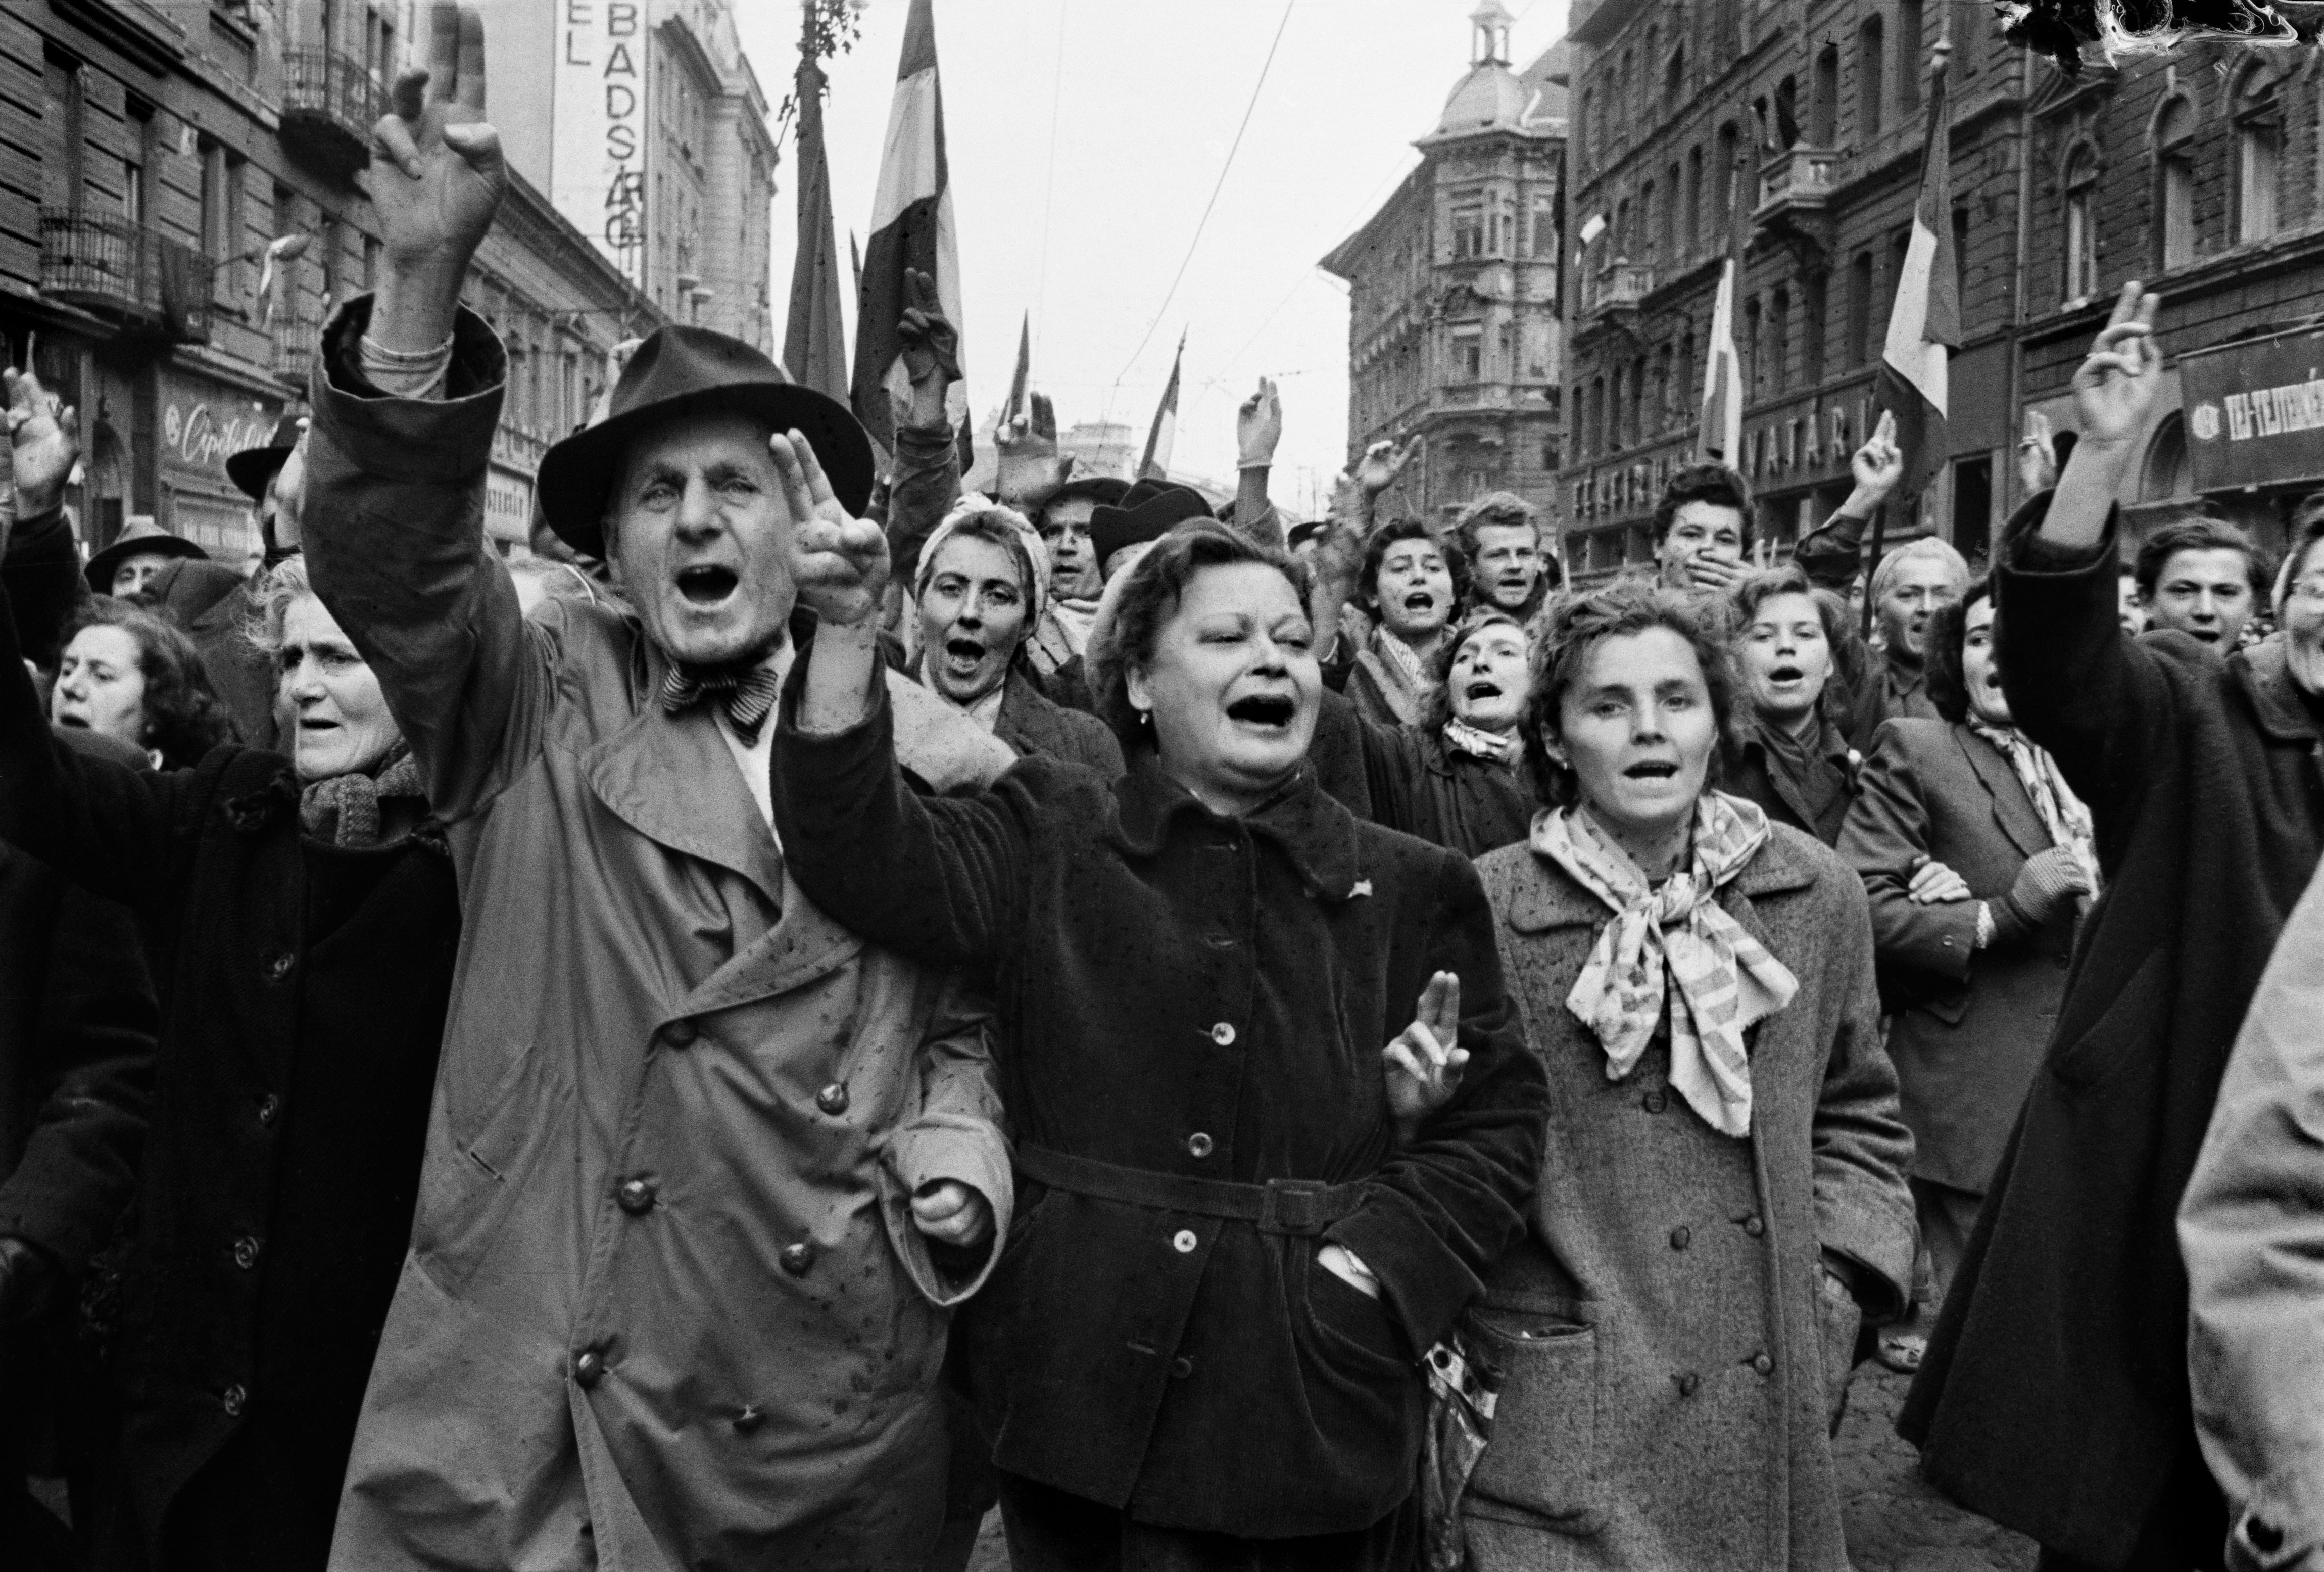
(1924, 324)
(912, 228)
(1719, 439)
(1163, 433)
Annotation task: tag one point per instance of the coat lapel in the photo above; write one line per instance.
(671, 779)
(2012, 810)
(802, 947)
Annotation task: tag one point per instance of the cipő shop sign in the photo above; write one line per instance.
(200, 427)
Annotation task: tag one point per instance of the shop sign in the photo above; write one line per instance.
(2255, 411)
(508, 503)
(203, 423)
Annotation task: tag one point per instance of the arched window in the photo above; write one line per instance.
(1675, 77)
(2175, 173)
(1779, 339)
(1614, 434)
(1787, 113)
(1625, 108)
(1668, 237)
(2259, 142)
(2166, 473)
(1909, 63)
(1647, 230)
(2081, 227)
(1823, 98)
(1869, 95)
(1694, 198)
(1727, 176)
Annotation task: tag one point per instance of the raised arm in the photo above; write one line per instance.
(1258, 429)
(927, 478)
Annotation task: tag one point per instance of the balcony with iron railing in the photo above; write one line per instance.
(140, 279)
(518, 448)
(295, 339)
(330, 101)
(1612, 297)
(1796, 200)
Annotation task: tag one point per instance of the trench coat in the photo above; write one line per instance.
(2252, 1227)
(664, 1306)
(1972, 1023)
(1193, 1007)
(1672, 1359)
(2053, 1397)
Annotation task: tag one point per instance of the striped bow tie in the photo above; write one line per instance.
(748, 693)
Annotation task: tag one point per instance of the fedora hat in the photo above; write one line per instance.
(1146, 512)
(1103, 490)
(677, 370)
(140, 537)
(254, 468)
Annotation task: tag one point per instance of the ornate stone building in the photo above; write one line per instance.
(1454, 307)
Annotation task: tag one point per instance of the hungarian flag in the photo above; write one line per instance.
(911, 228)
(1925, 322)
(1016, 404)
(1720, 437)
(1155, 463)
(815, 342)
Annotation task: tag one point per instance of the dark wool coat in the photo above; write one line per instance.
(1205, 998)
(1672, 1359)
(1451, 799)
(1967, 1043)
(290, 1093)
(1030, 724)
(1768, 777)
(2055, 1395)
(212, 603)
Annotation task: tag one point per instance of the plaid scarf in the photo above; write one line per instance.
(343, 811)
(748, 693)
(2061, 812)
(1463, 738)
(1679, 934)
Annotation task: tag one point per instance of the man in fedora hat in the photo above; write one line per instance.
(137, 554)
(704, 1170)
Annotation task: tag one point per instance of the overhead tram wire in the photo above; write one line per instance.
(1219, 186)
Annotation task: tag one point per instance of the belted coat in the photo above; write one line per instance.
(664, 1306)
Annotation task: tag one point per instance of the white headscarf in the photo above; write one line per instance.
(976, 505)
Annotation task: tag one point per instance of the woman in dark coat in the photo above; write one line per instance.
(1723, 1196)
(1789, 757)
(315, 923)
(1200, 1346)
(2055, 1397)
(1975, 978)
(1465, 777)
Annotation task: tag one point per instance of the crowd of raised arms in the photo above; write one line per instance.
(816, 1003)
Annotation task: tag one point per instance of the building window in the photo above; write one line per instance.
(1812, 304)
(1647, 218)
(1596, 423)
(1589, 108)
(1468, 353)
(2174, 208)
(1694, 198)
(1754, 350)
(1908, 56)
(1870, 46)
(1779, 339)
(223, 227)
(1468, 231)
(1727, 177)
(1823, 98)
(137, 162)
(1859, 309)
(1544, 226)
(1668, 237)
(2259, 139)
(1961, 262)
(2166, 473)
(1674, 78)
(2081, 229)
(64, 132)
(1616, 435)
(1787, 113)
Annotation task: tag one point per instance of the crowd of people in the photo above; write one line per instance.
(821, 1003)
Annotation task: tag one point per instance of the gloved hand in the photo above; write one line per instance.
(27, 1277)
(2046, 886)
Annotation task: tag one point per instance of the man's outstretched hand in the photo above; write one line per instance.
(839, 563)
(436, 182)
(41, 446)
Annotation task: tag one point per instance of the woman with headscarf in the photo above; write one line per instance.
(1975, 979)
(1465, 777)
(1723, 1195)
(309, 908)
(1200, 1346)
(981, 590)
(128, 674)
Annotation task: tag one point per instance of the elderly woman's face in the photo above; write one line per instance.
(1981, 673)
(1636, 727)
(1487, 683)
(100, 686)
(339, 719)
(1786, 660)
(972, 617)
(1414, 589)
(1232, 685)
(1914, 591)
(701, 533)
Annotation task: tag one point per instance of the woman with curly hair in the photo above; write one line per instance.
(1723, 1187)
(1412, 586)
(309, 921)
(128, 674)
(1465, 777)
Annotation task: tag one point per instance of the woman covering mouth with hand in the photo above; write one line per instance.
(1201, 1344)
(1411, 584)
(1722, 1191)
(1467, 777)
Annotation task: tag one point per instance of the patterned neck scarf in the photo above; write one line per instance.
(1403, 676)
(1075, 618)
(2061, 812)
(1675, 948)
(748, 693)
(343, 811)
(1463, 738)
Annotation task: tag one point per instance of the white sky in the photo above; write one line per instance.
(1086, 137)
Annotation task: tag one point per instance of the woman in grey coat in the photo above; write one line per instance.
(1723, 1194)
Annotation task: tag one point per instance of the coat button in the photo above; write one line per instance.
(1762, 1365)
(1654, 1101)
(1753, 1226)
(270, 1108)
(1184, 1241)
(589, 1368)
(1681, 1236)
(1199, 1144)
(278, 964)
(797, 1258)
(750, 1417)
(1181, 1368)
(678, 1033)
(636, 1196)
(246, 1252)
(1688, 1383)
(832, 1099)
(233, 1399)
(1222, 1034)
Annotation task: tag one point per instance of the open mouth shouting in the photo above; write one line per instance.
(2209, 635)
(707, 585)
(1270, 712)
(964, 655)
(1653, 771)
(1481, 689)
(1420, 603)
(1786, 679)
